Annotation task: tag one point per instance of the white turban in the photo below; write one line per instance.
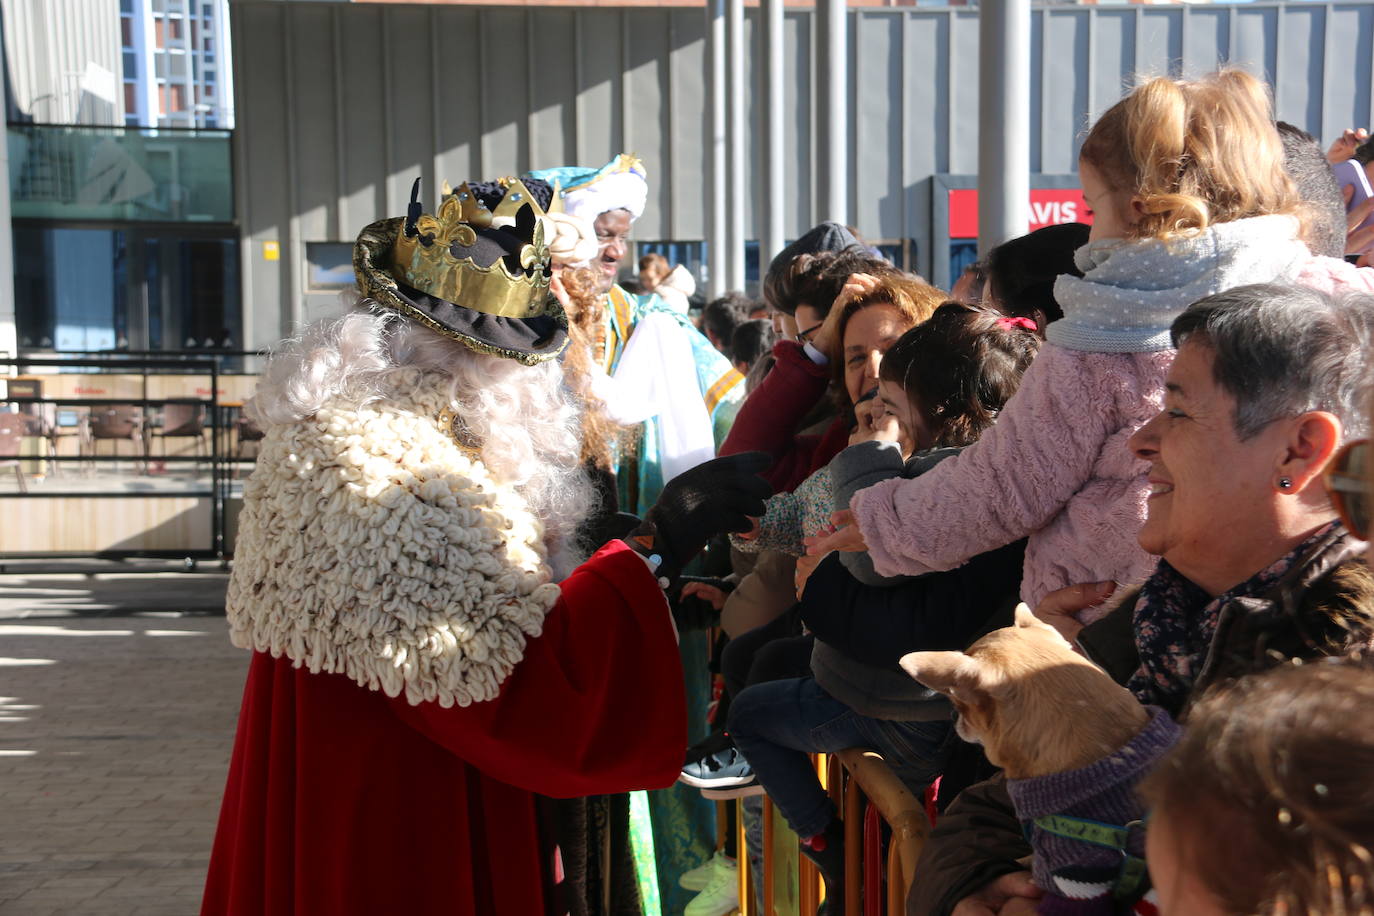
(621, 184)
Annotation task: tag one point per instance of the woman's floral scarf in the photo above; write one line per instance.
(1175, 622)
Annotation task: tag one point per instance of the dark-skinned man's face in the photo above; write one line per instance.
(612, 235)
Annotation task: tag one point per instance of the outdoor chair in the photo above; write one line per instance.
(245, 430)
(117, 423)
(183, 421)
(13, 429)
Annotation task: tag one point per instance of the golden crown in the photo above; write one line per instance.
(439, 255)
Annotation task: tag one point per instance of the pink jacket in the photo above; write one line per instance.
(1054, 468)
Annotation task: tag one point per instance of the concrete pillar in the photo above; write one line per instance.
(832, 45)
(716, 230)
(9, 336)
(774, 236)
(1004, 79)
(736, 183)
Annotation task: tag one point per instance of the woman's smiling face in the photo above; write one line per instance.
(1211, 493)
(868, 334)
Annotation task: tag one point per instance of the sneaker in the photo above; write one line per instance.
(712, 743)
(698, 878)
(719, 770)
(719, 897)
(751, 787)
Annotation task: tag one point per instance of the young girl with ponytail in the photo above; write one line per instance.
(1188, 189)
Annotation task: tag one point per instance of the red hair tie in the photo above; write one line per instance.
(1009, 323)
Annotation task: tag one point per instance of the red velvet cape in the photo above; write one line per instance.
(341, 800)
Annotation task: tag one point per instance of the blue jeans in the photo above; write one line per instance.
(776, 724)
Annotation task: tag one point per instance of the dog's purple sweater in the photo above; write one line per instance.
(1077, 877)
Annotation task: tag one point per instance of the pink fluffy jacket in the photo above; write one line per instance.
(1055, 468)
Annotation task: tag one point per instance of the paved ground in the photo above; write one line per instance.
(118, 696)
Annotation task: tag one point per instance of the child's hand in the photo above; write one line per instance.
(751, 534)
(875, 423)
(711, 594)
(805, 567)
(844, 535)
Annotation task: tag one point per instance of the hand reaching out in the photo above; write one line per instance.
(1346, 144)
(1063, 609)
(844, 535)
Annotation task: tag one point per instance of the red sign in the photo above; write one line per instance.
(1048, 207)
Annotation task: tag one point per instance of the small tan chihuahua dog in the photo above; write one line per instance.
(1036, 705)
(1072, 743)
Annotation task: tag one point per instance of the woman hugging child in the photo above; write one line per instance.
(940, 385)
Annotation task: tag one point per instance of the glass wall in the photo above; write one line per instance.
(126, 288)
(71, 288)
(120, 174)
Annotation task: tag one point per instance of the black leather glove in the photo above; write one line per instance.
(717, 495)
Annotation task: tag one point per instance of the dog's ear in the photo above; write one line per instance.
(1025, 617)
(946, 672)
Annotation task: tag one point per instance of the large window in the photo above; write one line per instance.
(71, 288)
(131, 288)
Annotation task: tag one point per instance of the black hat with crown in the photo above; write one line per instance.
(476, 271)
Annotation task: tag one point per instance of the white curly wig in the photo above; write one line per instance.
(523, 417)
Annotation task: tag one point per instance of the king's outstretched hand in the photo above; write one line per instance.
(723, 494)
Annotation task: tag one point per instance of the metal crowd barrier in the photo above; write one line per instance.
(63, 399)
(868, 795)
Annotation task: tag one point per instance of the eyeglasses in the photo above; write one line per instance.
(1347, 480)
(805, 336)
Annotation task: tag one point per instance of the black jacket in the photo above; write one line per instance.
(862, 630)
(943, 610)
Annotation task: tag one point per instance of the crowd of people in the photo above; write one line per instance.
(536, 568)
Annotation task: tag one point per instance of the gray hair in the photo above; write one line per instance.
(523, 416)
(1283, 350)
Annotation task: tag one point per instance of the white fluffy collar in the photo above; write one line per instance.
(371, 545)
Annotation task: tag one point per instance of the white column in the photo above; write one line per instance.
(737, 185)
(832, 42)
(716, 245)
(774, 236)
(9, 337)
(1004, 80)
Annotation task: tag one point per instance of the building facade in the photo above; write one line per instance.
(176, 67)
(181, 234)
(120, 195)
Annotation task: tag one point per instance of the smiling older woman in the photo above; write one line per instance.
(1255, 565)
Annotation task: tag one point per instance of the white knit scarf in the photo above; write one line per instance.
(1131, 291)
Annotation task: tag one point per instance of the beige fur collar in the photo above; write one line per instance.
(371, 545)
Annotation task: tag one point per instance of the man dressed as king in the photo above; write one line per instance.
(431, 645)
